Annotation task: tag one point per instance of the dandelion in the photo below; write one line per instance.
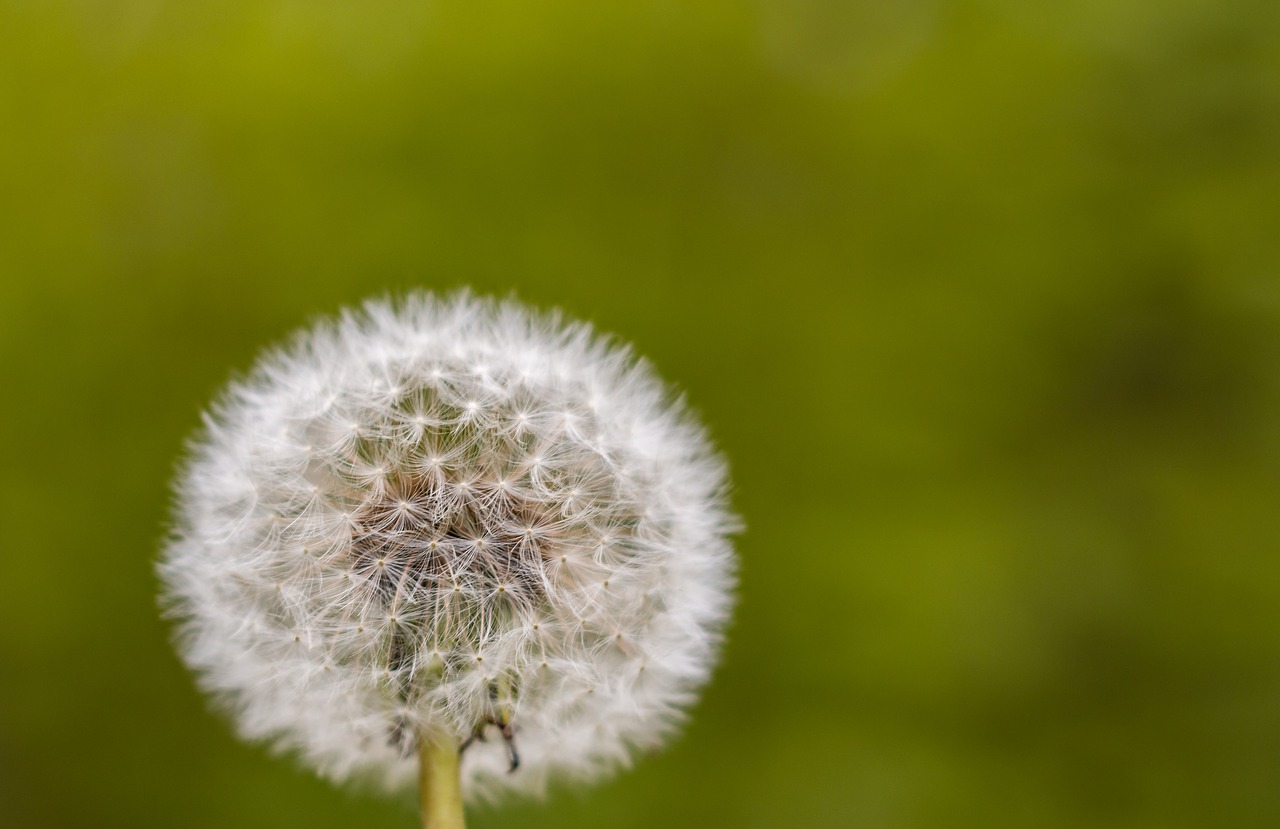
(452, 542)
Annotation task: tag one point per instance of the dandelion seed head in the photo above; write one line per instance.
(430, 513)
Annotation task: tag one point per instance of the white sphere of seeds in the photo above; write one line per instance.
(453, 518)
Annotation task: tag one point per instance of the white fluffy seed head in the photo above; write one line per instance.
(439, 517)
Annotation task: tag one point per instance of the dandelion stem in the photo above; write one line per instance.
(440, 787)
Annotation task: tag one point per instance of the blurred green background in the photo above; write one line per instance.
(981, 299)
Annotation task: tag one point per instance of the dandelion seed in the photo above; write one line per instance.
(447, 567)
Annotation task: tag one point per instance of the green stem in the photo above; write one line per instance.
(440, 787)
